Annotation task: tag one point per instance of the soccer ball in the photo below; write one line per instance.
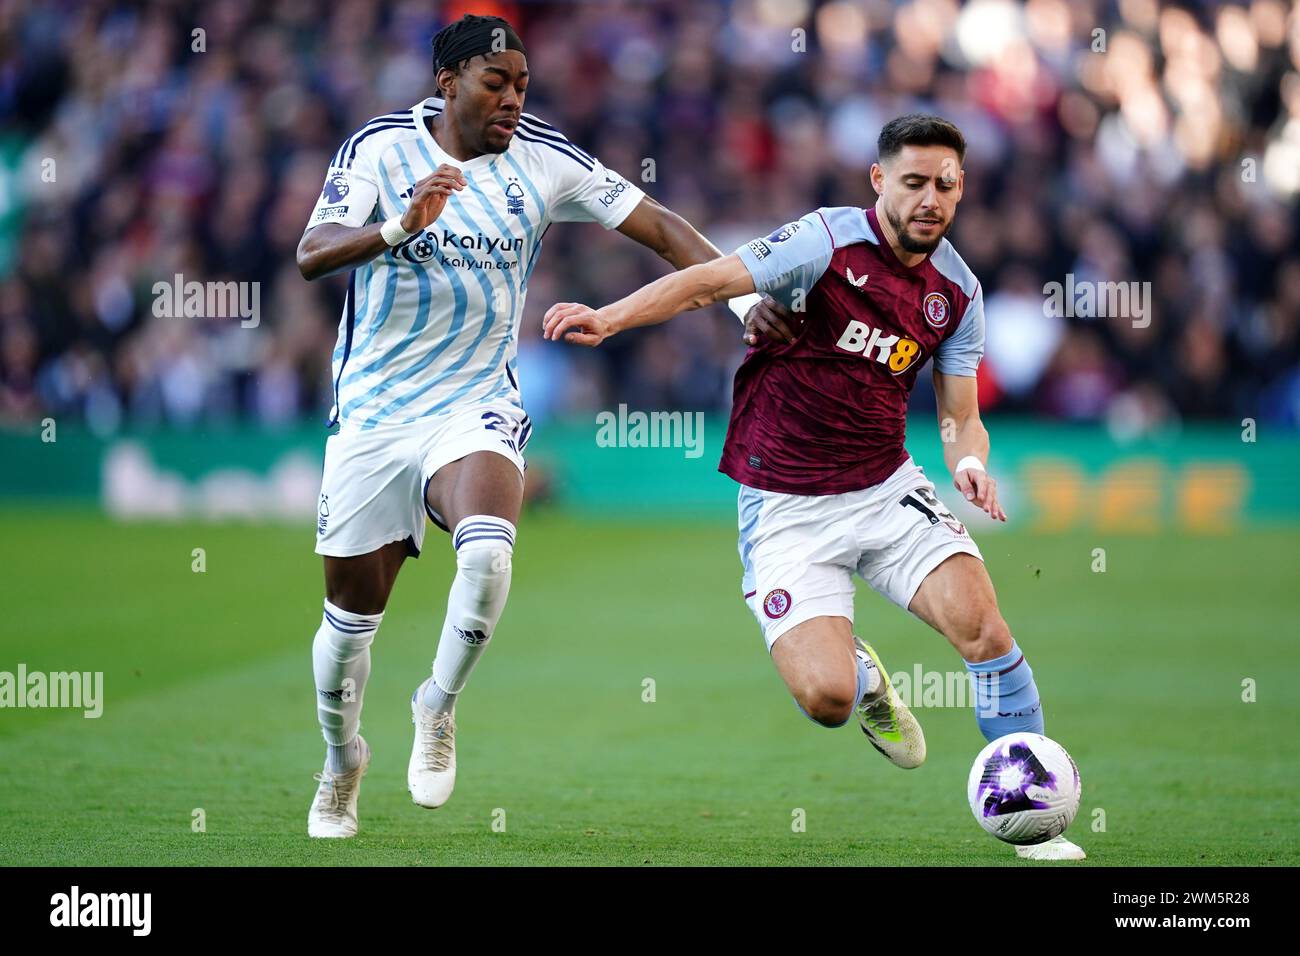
(1024, 789)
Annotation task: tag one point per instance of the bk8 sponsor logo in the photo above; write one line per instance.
(895, 351)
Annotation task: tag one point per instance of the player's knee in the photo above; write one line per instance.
(986, 637)
(343, 636)
(484, 546)
(487, 560)
(827, 701)
(484, 553)
(341, 647)
(485, 566)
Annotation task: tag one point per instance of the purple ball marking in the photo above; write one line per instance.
(997, 801)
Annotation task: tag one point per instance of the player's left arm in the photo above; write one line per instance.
(966, 440)
(968, 449)
(667, 234)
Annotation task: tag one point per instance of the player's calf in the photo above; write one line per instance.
(1006, 697)
(341, 666)
(957, 599)
(980, 635)
(484, 549)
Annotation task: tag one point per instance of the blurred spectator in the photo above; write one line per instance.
(1136, 141)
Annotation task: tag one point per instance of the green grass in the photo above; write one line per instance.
(209, 704)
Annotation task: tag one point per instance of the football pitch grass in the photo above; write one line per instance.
(209, 706)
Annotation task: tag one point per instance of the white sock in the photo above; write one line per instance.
(484, 546)
(343, 758)
(870, 682)
(340, 657)
(438, 700)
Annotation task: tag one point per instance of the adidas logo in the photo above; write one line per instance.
(473, 637)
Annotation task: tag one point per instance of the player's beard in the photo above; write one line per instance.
(909, 244)
(489, 146)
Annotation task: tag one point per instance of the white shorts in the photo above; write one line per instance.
(800, 551)
(372, 490)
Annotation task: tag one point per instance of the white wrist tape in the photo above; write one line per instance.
(741, 304)
(970, 461)
(393, 232)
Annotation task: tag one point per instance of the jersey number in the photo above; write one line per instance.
(924, 501)
(494, 422)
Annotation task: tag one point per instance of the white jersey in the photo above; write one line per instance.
(432, 324)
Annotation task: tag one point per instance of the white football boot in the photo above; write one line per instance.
(886, 720)
(431, 774)
(1057, 848)
(334, 811)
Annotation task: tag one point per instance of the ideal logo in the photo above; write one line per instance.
(514, 199)
(620, 186)
(892, 350)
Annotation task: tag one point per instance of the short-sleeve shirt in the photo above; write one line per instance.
(432, 324)
(827, 413)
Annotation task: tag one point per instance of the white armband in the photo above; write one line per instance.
(741, 304)
(393, 232)
(970, 461)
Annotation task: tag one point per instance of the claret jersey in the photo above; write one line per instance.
(827, 413)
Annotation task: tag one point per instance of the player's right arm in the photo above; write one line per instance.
(784, 265)
(336, 247)
(691, 288)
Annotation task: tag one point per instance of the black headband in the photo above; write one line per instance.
(471, 36)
